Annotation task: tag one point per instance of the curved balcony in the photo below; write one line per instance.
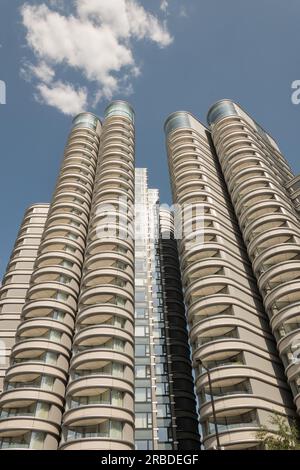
(100, 404)
(223, 304)
(44, 337)
(112, 434)
(113, 365)
(25, 439)
(269, 225)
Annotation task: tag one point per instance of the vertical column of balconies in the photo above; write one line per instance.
(16, 280)
(100, 394)
(293, 188)
(35, 382)
(228, 328)
(186, 418)
(257, 175)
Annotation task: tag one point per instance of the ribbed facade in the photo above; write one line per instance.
(17, 278)
(265, 194)
(228, 326)
(40, 358)
(93, 362)
(113, 313)
(100, 394)
(71, 380)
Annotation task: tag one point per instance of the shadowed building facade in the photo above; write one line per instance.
(165, 407)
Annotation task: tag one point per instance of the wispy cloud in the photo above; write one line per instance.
(63, 96)
(164, 5)
(183, 12)
(96, 39)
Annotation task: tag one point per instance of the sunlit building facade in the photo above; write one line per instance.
(241, 277)
(85, 358)
(125, 324)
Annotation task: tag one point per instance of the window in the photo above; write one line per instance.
(163, 411)
(108, 428)
(72, 236)
(107, 397)
(163, 389)
(141, 331)
(57, 315)
(34, 440)
(70, 249)
(120, 265)
(143, 420)
(142, 371)
(61, 296)
(115, 369)
(51, 358)
(143, 445)
(120, 301)
(140, 266)
(243, 387)
(142, 350)
(159, 350)
(163, 434)
(161, 369)
(42, 410)
(234, 359)
(140, 294)
(118, 322)
(67, 264)
(141, 313)
(47, 382)
(142, 394)
(248, 419)
(54, 335)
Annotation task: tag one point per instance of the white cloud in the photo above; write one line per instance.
(145, 25)
(164, 5)
(41, 71)
(63, 97)
(96, 40)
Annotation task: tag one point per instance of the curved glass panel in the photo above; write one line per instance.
(120, 108)
(86, 120)
(176, 121)
(220, 110)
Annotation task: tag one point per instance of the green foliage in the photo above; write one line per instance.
(281, 436)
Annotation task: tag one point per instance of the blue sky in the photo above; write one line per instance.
(180, 54)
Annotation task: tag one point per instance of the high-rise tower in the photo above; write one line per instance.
(113, 310)
(84, 310)
(99, 411)
(232, 342)
(16, 280)
(265, 196)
